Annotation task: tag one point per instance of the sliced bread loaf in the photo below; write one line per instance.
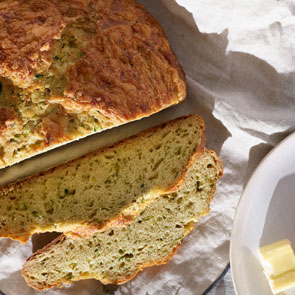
(109, 186)
(118, 254)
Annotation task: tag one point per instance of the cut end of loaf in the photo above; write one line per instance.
(108, 187)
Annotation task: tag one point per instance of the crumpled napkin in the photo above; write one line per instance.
(239, 62)
(262, 28)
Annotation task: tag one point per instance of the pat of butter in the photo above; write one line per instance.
(278, 258)
(278, 262)
(283, 282)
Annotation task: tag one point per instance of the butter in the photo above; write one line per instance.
(278, 262)
(283, 282)
(278, 258)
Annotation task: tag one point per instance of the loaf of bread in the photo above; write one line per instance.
(70, 68)
(118, 254)
(107, 187)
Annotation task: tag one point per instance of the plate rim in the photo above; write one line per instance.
(242, 197)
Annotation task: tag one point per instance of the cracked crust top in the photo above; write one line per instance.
(126, 67)
(71, 68)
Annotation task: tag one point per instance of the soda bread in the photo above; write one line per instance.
(118, 254)
(70, 68)
(104, 188)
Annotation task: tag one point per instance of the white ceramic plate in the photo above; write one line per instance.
(266, 213)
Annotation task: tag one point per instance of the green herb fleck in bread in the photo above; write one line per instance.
(107, 187)
(71, 68)
(117, 254)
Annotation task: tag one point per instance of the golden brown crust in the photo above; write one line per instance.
(28, 30)
(54, 128)
(21, 238)
(117, 220)
(6, 118)
(122, 72)
(120, 68)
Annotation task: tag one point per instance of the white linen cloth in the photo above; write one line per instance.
(238, 57)
(224, 286)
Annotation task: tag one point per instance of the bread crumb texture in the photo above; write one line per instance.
(117, 254)
(104, 188)
(71, 68)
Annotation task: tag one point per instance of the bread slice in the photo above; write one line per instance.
(69, 69)
(109, 186)
(118, 254)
